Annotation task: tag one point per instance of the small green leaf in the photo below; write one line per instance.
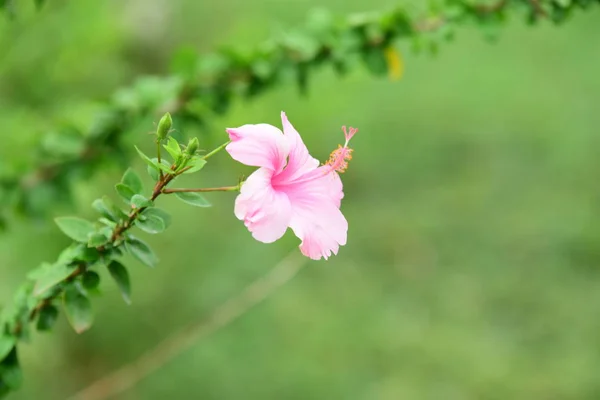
(158, 213)
(151, 224)
(108, 210)
(78, 309)
(121, 276)
(47, 318)
(173, 148)
(75, 252)
(140, 201)
(132, 179)
(109, 224)
(166, 169)
(90, 280)
(195, 199)
(10, 371)
(140, 250)
(7, 342)
(50, 276)
(76, 228)
(375, 60)
(124, 191)
(98, 239)
(195, 164)
(154, 172)
(147, 159)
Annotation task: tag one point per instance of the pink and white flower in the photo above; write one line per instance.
(290, 189)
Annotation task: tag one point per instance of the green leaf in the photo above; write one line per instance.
(132, 179)
(140, 250)
(108, 210)
(47, 318)
(124, 191)
(121, 276)
(109, 224)
(195, 199)
(173, 148)
(50, 276)
(151, 224)
(90, 280)
(158, 213)
(166, 169)
(10, 371)
(153, 172)
(78, 309)
(72, 253)
(195, 164)
(140, 201)
(147, 159)
(375, 60)
(7, 342)
(98, 239)
(39, 3)
(76, 228)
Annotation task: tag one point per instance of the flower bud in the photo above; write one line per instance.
(164, 127)
(192, 147)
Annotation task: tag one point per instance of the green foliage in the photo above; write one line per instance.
(7, 342)
(195, 199)
(121, 276)
(73, 277)
(78, 308)
(77, 229)
(140, 250)
(47, 318)
(51, 275)
(204, 86)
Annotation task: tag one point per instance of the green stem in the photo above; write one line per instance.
(158, 156)
(215, 151)
(200, 190)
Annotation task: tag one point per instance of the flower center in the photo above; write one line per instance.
(338, 160)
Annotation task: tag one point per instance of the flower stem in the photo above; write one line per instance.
(158, 156)
(215, 151)
(200, 190)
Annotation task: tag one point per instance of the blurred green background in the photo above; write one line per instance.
(471, 270)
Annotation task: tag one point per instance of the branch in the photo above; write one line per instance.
(97, 245)
(209, 83)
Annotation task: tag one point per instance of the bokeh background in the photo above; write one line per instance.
(472, 264)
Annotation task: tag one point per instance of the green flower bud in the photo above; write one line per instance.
(164, 127)
(192, 147)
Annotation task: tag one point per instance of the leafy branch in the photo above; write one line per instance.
(202, 86)
(73, 278)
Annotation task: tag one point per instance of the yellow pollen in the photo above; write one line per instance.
(338, 160)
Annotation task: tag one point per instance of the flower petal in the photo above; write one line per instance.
(316, 217)
(300, 161)
(260, 145)
(265, 211)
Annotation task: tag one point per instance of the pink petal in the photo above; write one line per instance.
(260, 145)
(300, 161)
(265, 211)
(316, 217)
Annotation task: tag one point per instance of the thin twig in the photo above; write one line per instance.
(129, 375)
(201, 190)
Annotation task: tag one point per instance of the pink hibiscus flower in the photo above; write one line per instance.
(290, 189)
